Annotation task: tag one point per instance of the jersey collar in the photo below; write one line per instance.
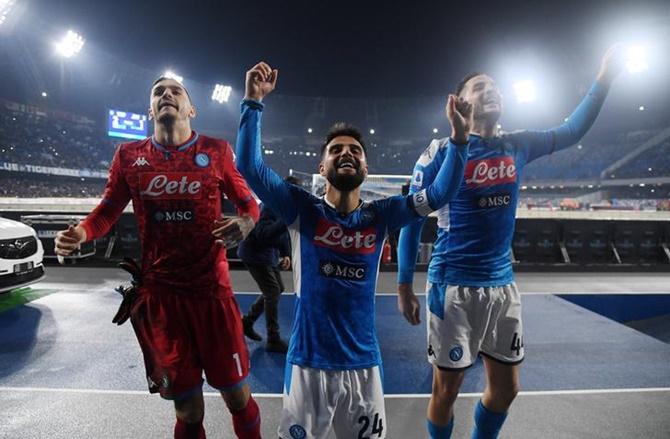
(183, 147)
(332, 206)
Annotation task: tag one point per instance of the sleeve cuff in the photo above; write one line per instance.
(252, 103)
(405, 277)
(451, 142)
(89, 233)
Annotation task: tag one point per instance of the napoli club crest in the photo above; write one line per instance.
(297, 432)
(202, 159)
(456, 353)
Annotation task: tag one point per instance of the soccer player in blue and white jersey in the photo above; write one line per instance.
(333, 374)
(473, 304)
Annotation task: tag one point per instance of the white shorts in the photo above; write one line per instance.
(464, 322)
(316, 401)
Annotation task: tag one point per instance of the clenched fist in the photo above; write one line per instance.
(260, 81)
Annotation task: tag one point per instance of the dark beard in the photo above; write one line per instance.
(345, 183)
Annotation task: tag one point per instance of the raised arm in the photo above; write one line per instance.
(425, 171)
(450, 173)
(435, 189)
(582, 118)
(268, 186)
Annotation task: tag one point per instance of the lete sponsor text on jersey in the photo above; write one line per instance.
(489, 172)
(337, 238)
(170, 185)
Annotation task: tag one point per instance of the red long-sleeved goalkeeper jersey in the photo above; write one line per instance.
(176, 195)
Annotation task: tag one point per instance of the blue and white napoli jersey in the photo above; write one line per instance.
(336, 256)
(335, 268)
(481, 217)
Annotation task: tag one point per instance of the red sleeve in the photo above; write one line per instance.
(235, 187)
(114, 200)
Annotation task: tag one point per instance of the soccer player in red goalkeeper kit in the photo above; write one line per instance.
(185, 315)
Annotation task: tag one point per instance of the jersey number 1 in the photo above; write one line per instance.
(236, 357)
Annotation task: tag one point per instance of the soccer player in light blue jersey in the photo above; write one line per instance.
(333, 377)
(473, 304)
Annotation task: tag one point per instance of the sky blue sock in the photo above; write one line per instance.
(487, 423)
(437, 432)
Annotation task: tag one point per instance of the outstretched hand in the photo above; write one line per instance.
(67, 241)
(260, 81)
(230, 231)
(459, 114)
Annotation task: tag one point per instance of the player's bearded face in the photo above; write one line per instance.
(485, 96)
(170, 102)
(344, 164)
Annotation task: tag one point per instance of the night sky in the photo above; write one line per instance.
(357, 49)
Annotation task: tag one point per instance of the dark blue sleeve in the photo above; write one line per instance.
(269, 229)
(535, 143)
(285, 244)
(268, 186)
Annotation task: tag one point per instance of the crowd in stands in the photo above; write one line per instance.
(39, 186)
(585, 160)
(649, 164)
(34, 136)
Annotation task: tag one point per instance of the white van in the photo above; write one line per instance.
(21, 255)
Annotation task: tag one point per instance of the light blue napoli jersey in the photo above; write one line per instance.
(480, 218)
(476, 249)
(335, 267)
(336, 256)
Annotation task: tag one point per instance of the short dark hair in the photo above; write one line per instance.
(163, 78)
(343, 129)
(461, 85)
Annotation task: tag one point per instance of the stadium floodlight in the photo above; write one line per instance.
(641, 108)
(525, 91)
(435, 130)
(372, 130)
(172, 75)
(44, 94)
(70, 45)
(309, 130)
(5, 8)
(636, 59)
(221, 93)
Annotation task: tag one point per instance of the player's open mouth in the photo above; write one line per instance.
(167, 104)
(346, 165)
